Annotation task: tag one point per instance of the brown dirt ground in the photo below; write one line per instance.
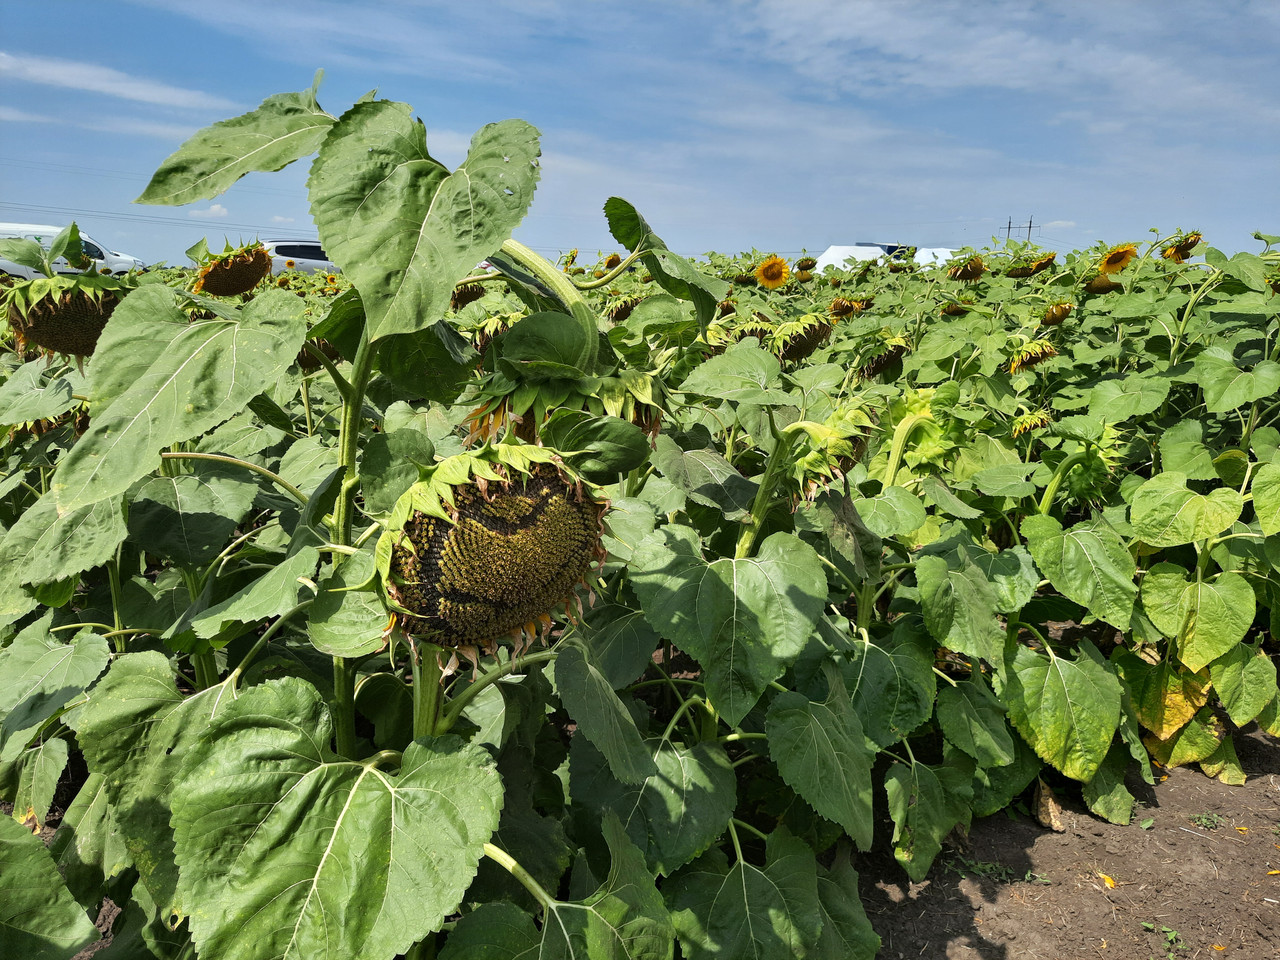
(1201, 882)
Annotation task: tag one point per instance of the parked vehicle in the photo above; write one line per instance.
(305, 256)
(107, 261)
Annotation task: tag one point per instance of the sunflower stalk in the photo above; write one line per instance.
(1065, 467)
(775, 469)
(344, 669)
(427, 688)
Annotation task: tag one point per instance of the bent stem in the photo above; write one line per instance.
(509, 864)
(1059, 475)
(514, 665)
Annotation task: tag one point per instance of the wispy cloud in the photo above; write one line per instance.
(77, 75)
(215, 212)
(279, 219)
(10, 115)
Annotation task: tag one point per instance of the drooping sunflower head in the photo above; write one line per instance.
(612, 260)
(1056, 312)
(881, 354)
(1027, 267)
(969, 269)
(234, 271)
(806, 263)
(489, 548)
(797, 339)
(772, 273)
(1029, 353)
(1117, 258)
(464, 294)
(1182, 247)
(1101, 283)
(840, 307)
(64, 314)
(957, 307)
(1032, 420)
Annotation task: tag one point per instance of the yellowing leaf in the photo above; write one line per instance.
(1111, 884)
(1242, 829)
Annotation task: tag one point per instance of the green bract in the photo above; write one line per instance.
(812, 563)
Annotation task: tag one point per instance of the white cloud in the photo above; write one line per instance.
(76, 75)
(1058, 225)
(279, 219)
(10, 115)
(215, 212)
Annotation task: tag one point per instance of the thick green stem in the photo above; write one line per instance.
(427, 677)
(349, 437)
(901, 434)
(774, 470)
(509, 864)
(275, 478)
(1059, 475)
(343, 706)
(206, 670)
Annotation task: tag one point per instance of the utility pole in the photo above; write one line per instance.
(1008, 230)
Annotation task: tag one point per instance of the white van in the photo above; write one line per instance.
(108, 261)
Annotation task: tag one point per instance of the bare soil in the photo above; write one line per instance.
(1200, 881)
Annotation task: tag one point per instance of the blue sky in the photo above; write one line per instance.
(774, 124)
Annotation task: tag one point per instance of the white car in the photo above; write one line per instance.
(107, 261)
(304, 256)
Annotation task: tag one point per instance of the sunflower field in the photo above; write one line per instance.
(611, 607)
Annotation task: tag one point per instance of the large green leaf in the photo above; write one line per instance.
(1245, 679)
(744, 620)
(621, 641)
(190, 517)
(206, 373)
(134, 732)
(768, 913)
(25, 396)
(706, 478)
(959, 608)
(87, 848)
(742, 374)
(822, 754)
(271, 595)
(1067, 710)
(622, 920)
(1226, 386)
(1208, 618)
(39, 675)
(277, 837)
(1167, 514)
(39, 920)
(1106, 794)
(972, 719)
(674, 273)
(402, 227)
(845, 537)
(1266, 498)
(345, 621)
(1087, 564)
(892, 682)
(674, 815)
(846, 932)
(1131, 396)
(282, 129)
(601, 717)
(926, 802)
(893, 512)
(42, 547)
(42, 766)
(1165, 695)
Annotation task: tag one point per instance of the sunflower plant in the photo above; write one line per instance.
(614, 607)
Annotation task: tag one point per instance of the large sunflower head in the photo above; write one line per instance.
(1117, 258)
(772, 273)
(64, 314)
(1056, 312)
(489, 545)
